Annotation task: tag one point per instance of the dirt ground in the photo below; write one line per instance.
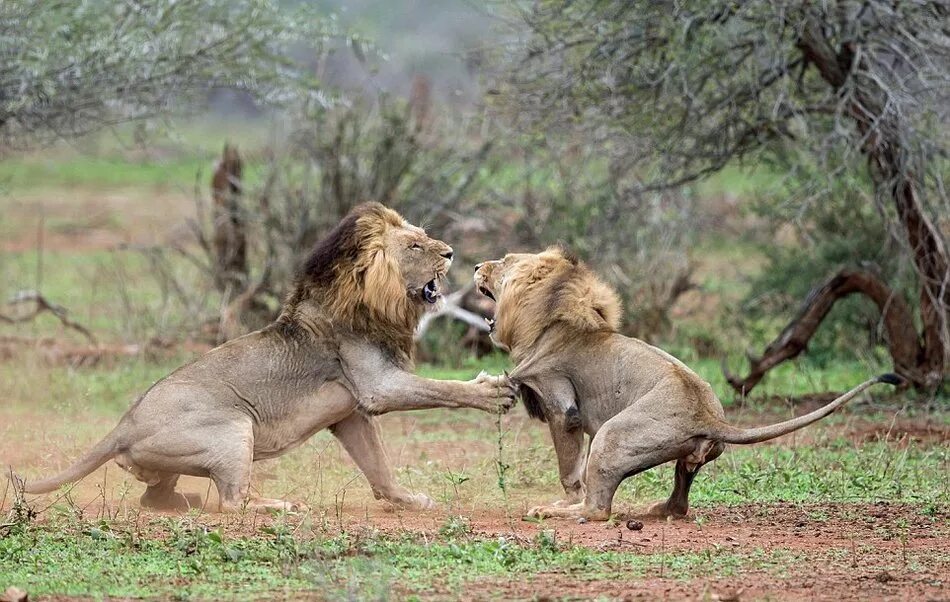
(853, 553)
(878, 551)
(90, 220)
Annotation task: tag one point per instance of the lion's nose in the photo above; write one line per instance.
(478, 266)
(448, 254)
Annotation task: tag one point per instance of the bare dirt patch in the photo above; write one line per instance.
(88, 219)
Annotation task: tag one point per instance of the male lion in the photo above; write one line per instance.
(339, 352)
(641, 406)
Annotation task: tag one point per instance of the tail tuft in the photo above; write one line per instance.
(891, 379)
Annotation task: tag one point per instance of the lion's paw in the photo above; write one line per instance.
(572, 511)
(275, 505)
(662, 509)
(413, 501)
(498, 390)
(421, 501)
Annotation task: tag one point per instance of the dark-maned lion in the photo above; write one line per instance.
(641, 406)
(339, 353)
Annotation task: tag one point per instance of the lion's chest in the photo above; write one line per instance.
(301, 417)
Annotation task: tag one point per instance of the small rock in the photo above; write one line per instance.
(14, 594)
(883, 577)
(634, 525)
(581, 521)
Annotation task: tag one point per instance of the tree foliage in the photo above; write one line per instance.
(68, 67)
(705, 84)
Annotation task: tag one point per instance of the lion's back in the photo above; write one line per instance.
(264, 367)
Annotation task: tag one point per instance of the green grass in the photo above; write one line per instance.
(741, 181)
(174, 157)
(115, 294)
(832, 470)
(26, 173)
(105, 558)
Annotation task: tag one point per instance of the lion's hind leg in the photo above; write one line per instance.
(160, 491)
(677, 506)
(625, 445)
(161, 495)
(234, 484)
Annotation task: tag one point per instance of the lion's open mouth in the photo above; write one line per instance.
(483, 290)
(430, 292)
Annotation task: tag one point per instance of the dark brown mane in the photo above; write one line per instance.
(349, 280)
(339, 246)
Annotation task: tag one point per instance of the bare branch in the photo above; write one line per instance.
(42, 305)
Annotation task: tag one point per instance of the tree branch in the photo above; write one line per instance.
(41, 305)
(902, 339)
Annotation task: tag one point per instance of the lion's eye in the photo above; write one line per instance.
(415, 246)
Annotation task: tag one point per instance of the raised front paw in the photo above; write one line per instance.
(496, 393)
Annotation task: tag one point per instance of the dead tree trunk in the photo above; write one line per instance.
(230, 227)
(892, 168)
(902, 340)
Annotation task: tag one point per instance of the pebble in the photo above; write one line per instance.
(634, 525)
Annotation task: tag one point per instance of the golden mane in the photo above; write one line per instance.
(350, 276)
(553, 288)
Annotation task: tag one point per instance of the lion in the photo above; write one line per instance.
(640, 406)
(339, 353)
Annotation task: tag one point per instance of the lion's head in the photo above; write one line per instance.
(376, 273)
(534, 291)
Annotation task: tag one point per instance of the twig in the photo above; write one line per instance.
(42, 304)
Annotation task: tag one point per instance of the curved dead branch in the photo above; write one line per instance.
(902, 338)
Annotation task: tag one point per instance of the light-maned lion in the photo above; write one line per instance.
(339, 353)
(641, 406)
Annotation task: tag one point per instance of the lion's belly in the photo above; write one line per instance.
(303, 417)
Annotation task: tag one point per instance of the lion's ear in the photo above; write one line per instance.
(560, 249)
(607, 305)
(383, 289)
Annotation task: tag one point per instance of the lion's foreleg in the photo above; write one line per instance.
(403, 391)
(557, 399)
(382, 386)
(359, 434)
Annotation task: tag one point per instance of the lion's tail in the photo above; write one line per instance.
(733, 434)
(99, 455)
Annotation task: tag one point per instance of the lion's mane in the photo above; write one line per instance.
(556, 288)
(351, 277)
